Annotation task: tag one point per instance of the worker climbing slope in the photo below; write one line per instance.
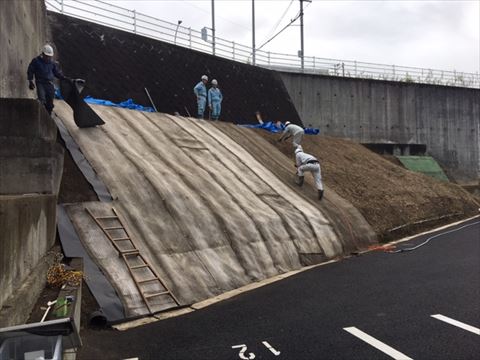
(292, 130)
(200, 91)
(308, 163)
(44, 69)
(215, 98)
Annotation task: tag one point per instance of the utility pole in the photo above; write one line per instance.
(302, 49)
(253, 31)
(213, 27)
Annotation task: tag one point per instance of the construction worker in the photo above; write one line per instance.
(292, 130)
(44, 69)
(200, 91)
(308, 163)
(215, 98)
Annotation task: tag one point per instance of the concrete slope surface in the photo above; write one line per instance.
(203, 211)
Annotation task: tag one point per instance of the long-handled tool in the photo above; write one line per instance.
(151, 101)
(49, 304)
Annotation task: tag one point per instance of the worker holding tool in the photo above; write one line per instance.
(308, 163)
(200, 91)
(292, 130)
(215, 98)
(44, 69)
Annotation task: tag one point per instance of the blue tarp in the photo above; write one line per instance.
(270, 126)
(127, 104)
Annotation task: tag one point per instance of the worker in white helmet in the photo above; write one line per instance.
(215, 98)
(308, 163)
(200, 91)
(44, 69)
(292, 130)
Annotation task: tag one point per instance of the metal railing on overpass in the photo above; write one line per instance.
(108, 14)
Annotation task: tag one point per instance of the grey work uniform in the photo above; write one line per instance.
(295, 131)
(309, 163)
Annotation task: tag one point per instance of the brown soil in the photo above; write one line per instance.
(388, 196)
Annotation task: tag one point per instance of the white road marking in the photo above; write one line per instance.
(377, 343)
(457, 323)
(270, 347)
(241, 354)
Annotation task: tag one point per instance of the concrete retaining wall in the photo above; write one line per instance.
(23, 31)
(30, 159)
(27, 226)
(446, 119)
(30, 163)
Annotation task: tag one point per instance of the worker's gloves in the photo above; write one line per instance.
(31, 85)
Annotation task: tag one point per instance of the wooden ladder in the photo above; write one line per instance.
(133, 258)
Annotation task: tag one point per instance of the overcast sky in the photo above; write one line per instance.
(430, 34)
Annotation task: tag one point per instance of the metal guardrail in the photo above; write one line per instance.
(111, 15)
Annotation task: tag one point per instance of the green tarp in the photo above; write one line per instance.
(423, 164)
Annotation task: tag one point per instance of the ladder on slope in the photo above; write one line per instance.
(132, 257)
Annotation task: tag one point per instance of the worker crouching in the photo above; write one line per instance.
(294, 131)
(308, 163)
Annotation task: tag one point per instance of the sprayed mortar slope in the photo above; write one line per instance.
(207, 215)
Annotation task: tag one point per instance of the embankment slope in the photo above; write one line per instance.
(396, 202)
(206, 213)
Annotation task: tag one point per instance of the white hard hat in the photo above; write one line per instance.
(47, 50)
(204, 77)
(214, 82)
(287, 123)
(298, 149)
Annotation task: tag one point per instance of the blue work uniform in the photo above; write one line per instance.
(215, 102)
(44, 73)
(200, 91)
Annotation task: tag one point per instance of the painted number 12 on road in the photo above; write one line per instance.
(242, 354)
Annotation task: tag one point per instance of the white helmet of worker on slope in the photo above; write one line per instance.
(205, 77)
(47, 50)
(214, 82)
(298, 149)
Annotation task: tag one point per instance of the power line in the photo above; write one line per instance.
(279, 20)
(278, 33)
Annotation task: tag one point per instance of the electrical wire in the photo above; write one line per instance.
(279, 20)
(428, 240)
(285, 27)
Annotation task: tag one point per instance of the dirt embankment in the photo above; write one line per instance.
(395, 201)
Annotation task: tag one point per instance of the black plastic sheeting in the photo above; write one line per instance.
(82, 163)
(110, 305)
(83, 115)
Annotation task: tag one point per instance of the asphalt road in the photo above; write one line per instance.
(377, 296)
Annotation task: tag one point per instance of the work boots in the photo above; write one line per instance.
(320, 194)
(299, 180)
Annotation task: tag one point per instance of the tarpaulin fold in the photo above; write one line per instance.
(270, 126)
